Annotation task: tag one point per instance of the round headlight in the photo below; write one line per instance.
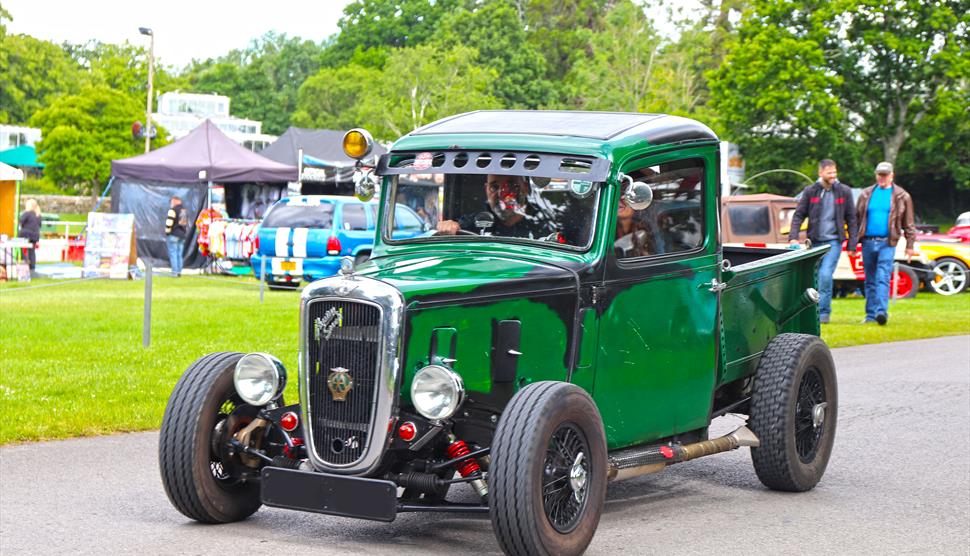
(259, 378)
(358, 143)
(436, 392)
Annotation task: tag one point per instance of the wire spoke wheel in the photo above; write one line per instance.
(809, 415)
(564, 477)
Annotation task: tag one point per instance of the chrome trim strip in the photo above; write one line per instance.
(391, 302)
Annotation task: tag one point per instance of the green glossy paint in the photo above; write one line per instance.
(651, 349)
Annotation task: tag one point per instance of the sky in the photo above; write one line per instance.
(187, 29)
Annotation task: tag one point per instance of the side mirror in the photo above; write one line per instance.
(636, 194)
(365, 185)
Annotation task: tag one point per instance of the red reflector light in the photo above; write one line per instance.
(257, 243)
(407, 431)
(289, 421)
(333, 246)
(666, 452)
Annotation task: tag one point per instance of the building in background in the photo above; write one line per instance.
(16, 135)
(179, 113)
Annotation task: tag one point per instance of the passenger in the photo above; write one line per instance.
(507, 207)
(632, 237)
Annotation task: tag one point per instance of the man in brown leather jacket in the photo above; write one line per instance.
(885, 213)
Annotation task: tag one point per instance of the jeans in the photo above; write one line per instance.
(174, 253)
(877, 260)
(826, 268)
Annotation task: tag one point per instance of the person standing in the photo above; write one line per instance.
(885, 214)
(176, 225)
(30, 230)
(831, 220)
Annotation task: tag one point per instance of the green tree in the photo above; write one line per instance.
(385, 24)
(32, 74)
(422, 84)
(331, 98)
(496, 31)
(83, 133)
(851, 78)
(557, 29)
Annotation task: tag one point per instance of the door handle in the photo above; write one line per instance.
(714, 286)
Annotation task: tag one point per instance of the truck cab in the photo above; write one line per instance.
(569, 318)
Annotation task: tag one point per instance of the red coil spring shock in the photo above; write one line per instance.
(466, 467)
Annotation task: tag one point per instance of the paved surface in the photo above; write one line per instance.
(898, 482)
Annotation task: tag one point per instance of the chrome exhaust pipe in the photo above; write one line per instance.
(641, 461)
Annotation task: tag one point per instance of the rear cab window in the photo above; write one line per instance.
(300, 216)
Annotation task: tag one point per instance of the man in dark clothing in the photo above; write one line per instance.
(505, 213)
(176, 225)
(885, 214)
(29, 229)
(831, 220)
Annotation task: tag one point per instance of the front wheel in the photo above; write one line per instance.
(794, 407)
(202, 479)
(949, 276)
(547, 479)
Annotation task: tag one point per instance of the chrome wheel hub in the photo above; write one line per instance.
(818, 414)
(577, 476)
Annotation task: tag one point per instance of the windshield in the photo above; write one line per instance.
(469, 207)
(299, 216)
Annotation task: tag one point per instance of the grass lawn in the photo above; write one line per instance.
(72, 363)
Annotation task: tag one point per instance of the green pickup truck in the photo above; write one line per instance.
(569, 318)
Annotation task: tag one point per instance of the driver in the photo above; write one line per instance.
(506, 204)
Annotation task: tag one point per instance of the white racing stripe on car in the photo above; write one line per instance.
(299, 241)
(282, 239)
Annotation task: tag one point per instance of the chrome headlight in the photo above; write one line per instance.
(259, 378)
(436, 392)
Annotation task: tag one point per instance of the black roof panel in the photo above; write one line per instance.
(592, 125)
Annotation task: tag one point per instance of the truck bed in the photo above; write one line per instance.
(765, 296)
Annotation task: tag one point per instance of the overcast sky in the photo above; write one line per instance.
(187, 29)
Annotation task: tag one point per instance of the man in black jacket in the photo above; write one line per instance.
(831, 220)
(176, 224)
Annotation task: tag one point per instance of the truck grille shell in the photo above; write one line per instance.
(341, 429)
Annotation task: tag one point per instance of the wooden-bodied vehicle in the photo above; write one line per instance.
(570, 319)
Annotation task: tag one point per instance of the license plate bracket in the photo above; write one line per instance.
(329, 494)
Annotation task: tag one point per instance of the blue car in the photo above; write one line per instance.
(304, 237)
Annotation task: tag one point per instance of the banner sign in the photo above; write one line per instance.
(109, 248)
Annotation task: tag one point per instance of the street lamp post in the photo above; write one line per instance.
(148, 104)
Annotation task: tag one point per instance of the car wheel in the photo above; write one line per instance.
(201, 479)
(904, 282)
(547, 477)
(794, 408)
(949, 276)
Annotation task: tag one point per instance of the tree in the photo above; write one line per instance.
(495, 30)
(557, 29)
(857, 77)
(423, 83)
(330, 99)
(83, 133)
(385, 24)
(32, 74)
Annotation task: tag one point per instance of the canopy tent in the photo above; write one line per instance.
(332, 170)
(24, 156)
(9, 198)
(144, 184)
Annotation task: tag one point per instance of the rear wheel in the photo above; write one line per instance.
(949, 276)
(904, 283)
(202, 479)
(794, 407)
(361, 258)
(547, 479)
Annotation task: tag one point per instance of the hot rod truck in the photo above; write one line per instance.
(570, 318)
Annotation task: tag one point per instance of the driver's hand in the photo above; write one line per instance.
(448, 227)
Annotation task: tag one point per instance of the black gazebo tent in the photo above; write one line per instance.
(144, 184)
(332, 170)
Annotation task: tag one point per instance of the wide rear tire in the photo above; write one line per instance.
(540, 503)
(196, 480)
(794, 409)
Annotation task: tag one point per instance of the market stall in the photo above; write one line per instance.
(203, 162)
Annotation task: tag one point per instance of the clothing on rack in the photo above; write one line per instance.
(229, 238)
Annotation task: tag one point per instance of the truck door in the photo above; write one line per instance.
(658, 346)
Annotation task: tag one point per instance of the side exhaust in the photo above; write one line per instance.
(634, 462)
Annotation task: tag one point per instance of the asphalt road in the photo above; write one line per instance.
(898, 482)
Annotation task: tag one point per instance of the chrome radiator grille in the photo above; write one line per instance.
(343, 335)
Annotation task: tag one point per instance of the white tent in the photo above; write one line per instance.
(9, 173)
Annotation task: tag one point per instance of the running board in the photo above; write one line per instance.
(634, 462)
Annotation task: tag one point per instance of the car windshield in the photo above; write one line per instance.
(469, 207)
(299, 216)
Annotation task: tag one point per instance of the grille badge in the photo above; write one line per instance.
(330, 320)
(339, 383)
